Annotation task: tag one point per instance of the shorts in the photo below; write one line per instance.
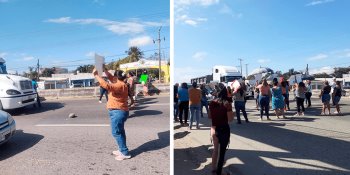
(326, 98)
(336, 100)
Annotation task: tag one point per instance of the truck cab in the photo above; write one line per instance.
(226, 74)
(15, 91)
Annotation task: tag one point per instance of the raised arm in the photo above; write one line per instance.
(109, 75)
(102, 82)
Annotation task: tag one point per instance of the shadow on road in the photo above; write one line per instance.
(145, 112)
(153, 145)
(301, 152)
(180, 135)
(46, 106)
(20, 142)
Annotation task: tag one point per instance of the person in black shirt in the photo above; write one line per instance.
(325, 97)
(176, 101)
(336, 95)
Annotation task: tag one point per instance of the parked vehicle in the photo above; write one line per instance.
(15, 91)
(7, 127)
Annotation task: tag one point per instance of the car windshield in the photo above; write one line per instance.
(3, 69)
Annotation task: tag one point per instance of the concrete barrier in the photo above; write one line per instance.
(92, 91)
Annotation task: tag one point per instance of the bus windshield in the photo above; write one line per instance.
(3, 69)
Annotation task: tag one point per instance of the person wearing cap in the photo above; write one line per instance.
(118, 110)
(195, 96)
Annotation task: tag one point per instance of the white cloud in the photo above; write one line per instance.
(318, 2)
(327, 70)
(130, 27)
(140, 41)
(263, 60)
(195, 2)
(3, 54)
(191, 21)
(318, 57)
(199, 56)
(228, 10)
(189, 72)
(27, 58)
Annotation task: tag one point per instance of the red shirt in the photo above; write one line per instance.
(218, 112)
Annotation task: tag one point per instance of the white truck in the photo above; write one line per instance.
(226, 74)
(15, 91)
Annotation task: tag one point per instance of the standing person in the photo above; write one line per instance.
(300, 97)
(264, 99)
(204, 99)
(239, 98)
(256, 94)
(277, 99)
(131, 84)
(35, 89)
(336, 95)
(221, 114)
(194, 95)
(229, 94)
(183, 106)
(325, 97)
(176, 101)
(308, 93)
(285, 94)
(118, 109)
(103, 91)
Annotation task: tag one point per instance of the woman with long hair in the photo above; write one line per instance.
(239, 97)
(299, 98)
(277, 99)
(325, 97)
(264, 99)
(220, 111)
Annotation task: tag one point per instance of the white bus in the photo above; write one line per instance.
(15, 91)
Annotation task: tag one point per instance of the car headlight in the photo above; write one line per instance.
(10, 119)
(13, 92)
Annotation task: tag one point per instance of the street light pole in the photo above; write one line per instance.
(160, 69)
(240, 60)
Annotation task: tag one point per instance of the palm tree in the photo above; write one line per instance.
(134, 54)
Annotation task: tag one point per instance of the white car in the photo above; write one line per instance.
(7, 127)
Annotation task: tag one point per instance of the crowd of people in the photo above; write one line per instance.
(190, 101)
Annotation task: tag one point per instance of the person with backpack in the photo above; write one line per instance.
(220, 113)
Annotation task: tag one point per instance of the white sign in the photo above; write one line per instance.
(99, 62)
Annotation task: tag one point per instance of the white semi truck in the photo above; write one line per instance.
(15, 91)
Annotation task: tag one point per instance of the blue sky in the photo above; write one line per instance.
(66, 33)
(271, 33)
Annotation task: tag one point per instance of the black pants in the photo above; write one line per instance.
(308, 98)
(300, 103)
(38, 99)
(183, 108)
(103, 92)
(223, 135)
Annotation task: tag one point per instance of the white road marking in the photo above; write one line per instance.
(72, 125)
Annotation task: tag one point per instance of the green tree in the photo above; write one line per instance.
(85, 68)
(47, 72)
(31, 74)
(134, 54)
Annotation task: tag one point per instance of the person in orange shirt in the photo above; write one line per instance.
(195, 96)
(118, 110)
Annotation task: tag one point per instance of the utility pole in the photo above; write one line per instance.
(38, 69)
(240, 60)
(246, 70)
(159, 55)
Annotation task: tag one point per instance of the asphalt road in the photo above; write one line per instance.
(48, 142)
(309, 145)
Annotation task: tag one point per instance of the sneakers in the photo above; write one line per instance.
(117, 153)
(100, 101)
(122, 157)
(296, 115)
(268, 119)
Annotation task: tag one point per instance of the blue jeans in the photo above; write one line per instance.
(240, 106)
(194, 111)
(176, 110)
(118, 118)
